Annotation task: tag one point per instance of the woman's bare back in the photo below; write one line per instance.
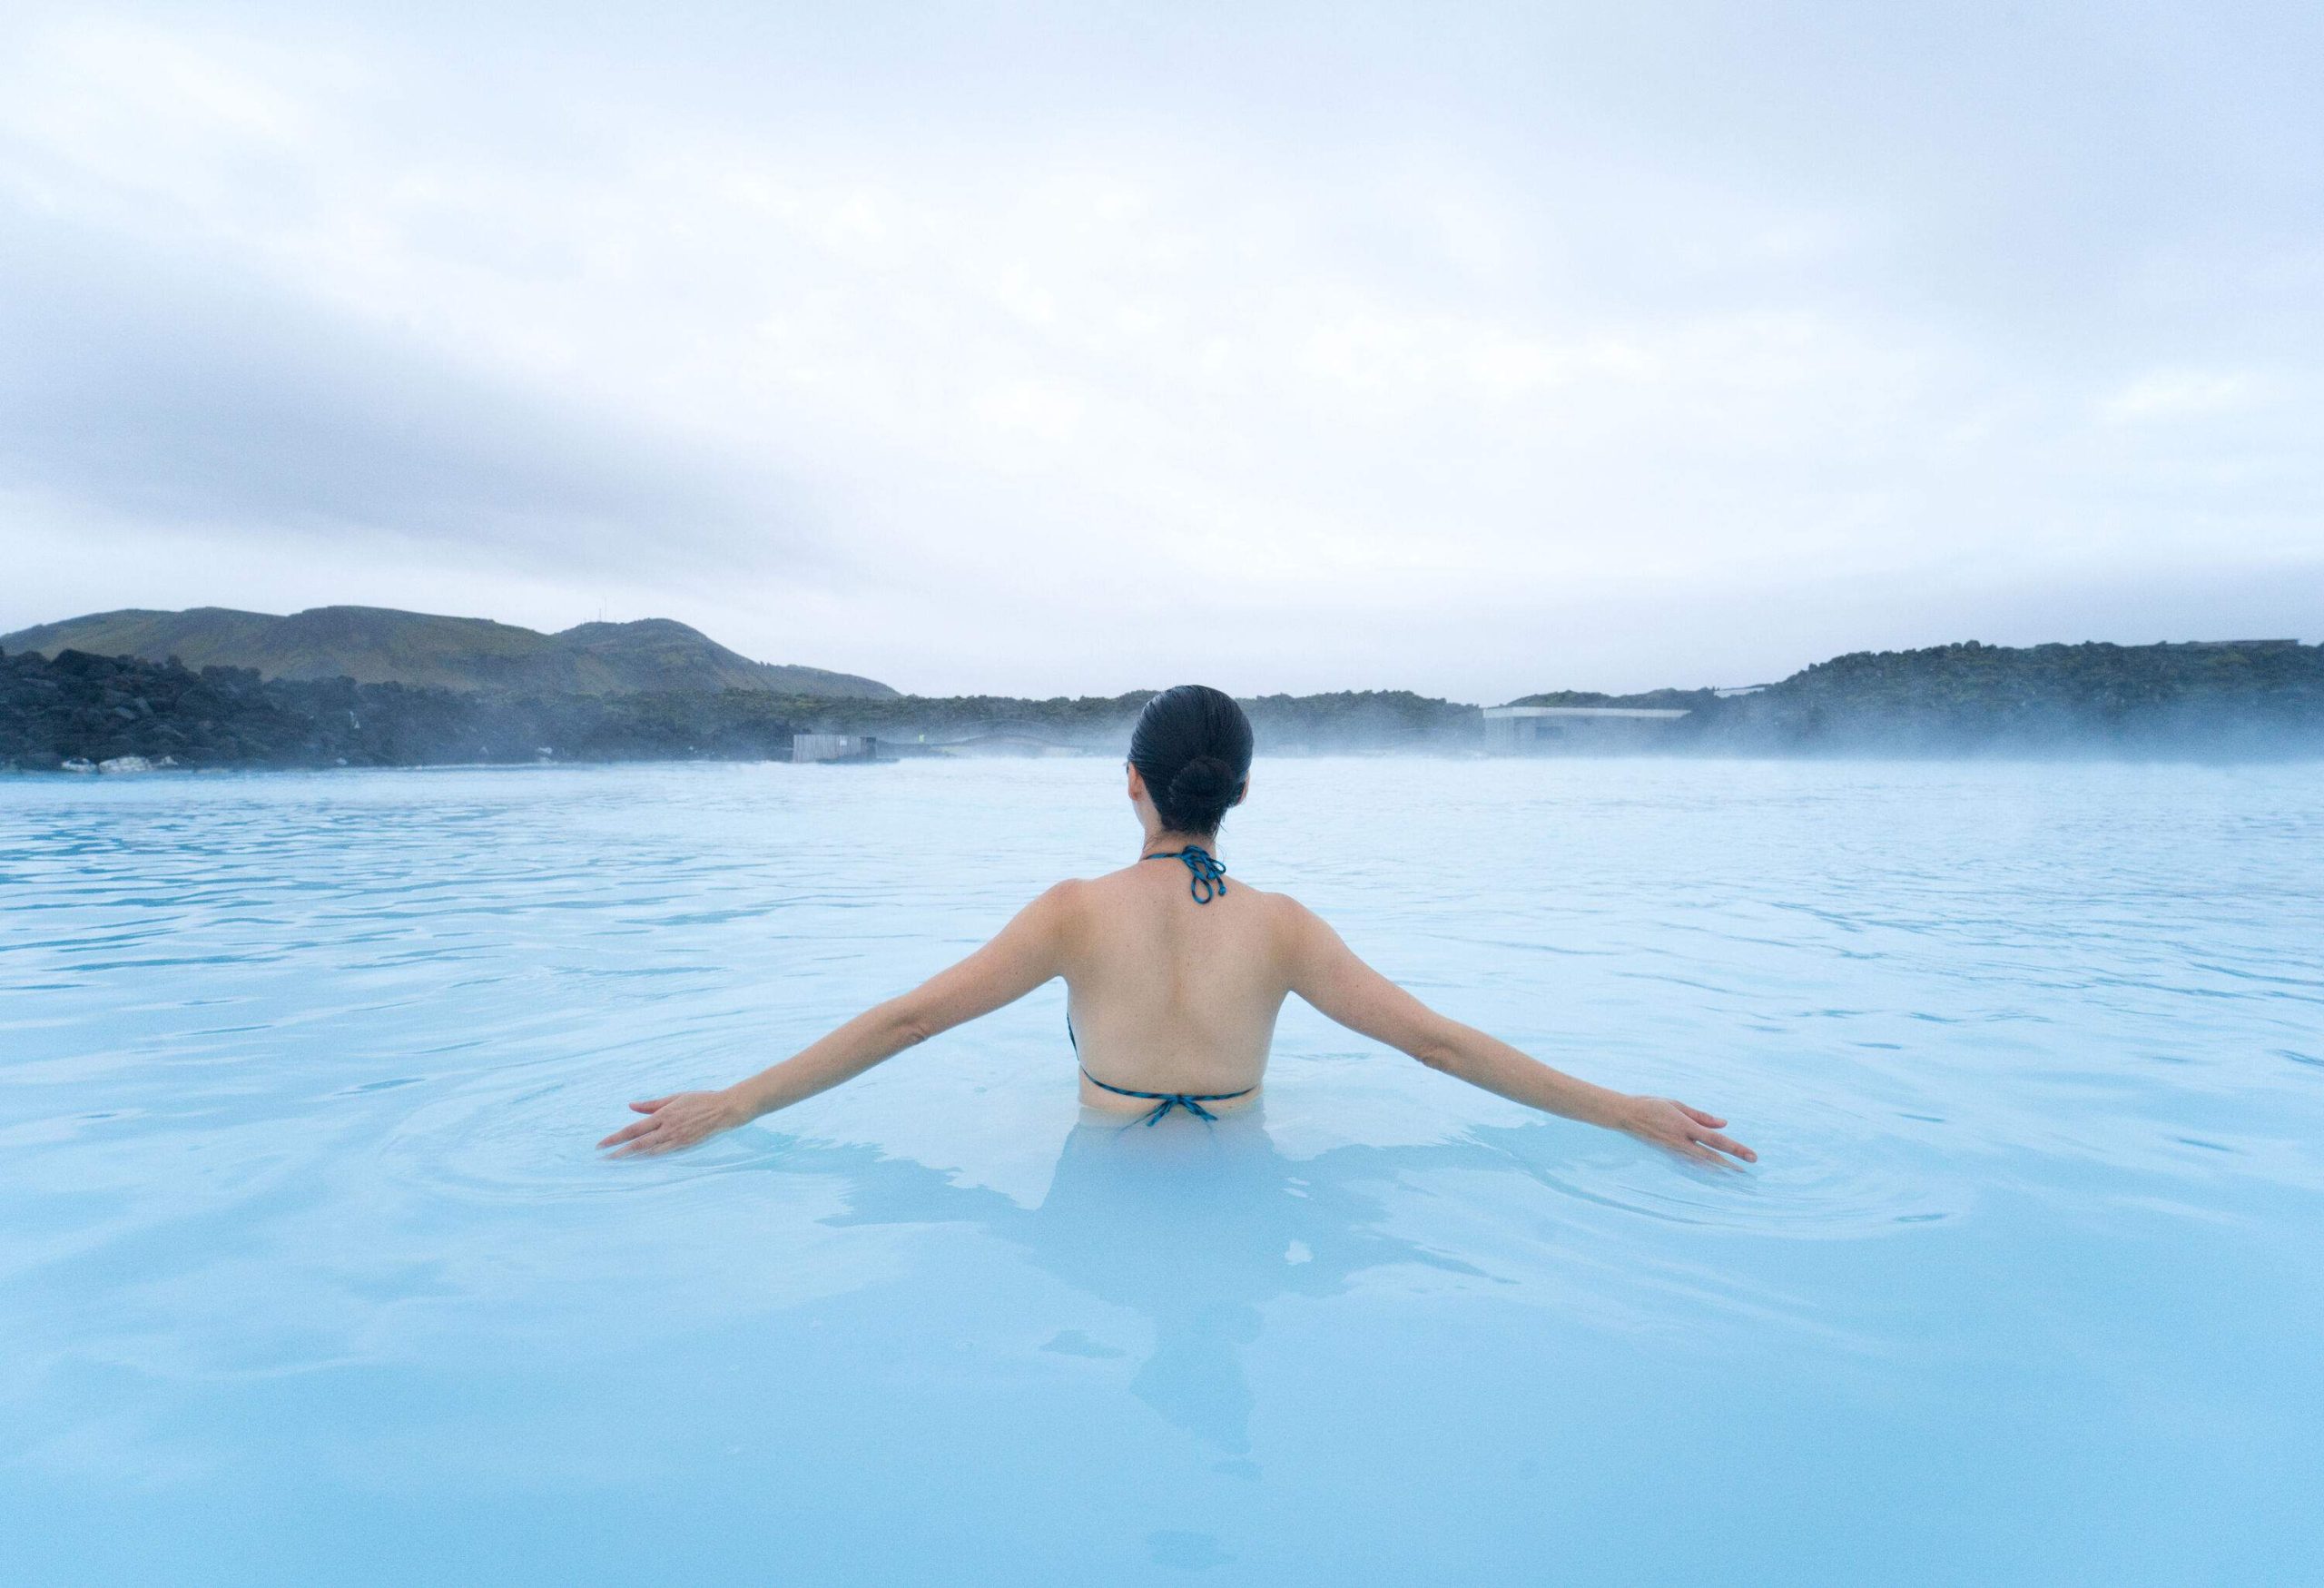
(1169, 994)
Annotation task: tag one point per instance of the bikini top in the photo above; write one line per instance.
(1208, 877)
(1164, 1101)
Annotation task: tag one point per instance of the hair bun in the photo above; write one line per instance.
(1204, 780)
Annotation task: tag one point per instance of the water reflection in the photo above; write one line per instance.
(1195, 1226)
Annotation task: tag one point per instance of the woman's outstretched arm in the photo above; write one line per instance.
(1326, 972)
(1026, 953)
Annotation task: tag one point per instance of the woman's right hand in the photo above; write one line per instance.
(678, 1120)
(1689, 1132)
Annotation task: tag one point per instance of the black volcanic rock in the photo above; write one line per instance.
(81, 706)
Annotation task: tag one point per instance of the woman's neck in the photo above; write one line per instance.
(1172, 843)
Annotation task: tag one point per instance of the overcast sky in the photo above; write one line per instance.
(1077, 349)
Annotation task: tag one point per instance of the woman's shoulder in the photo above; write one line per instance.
(1066, 893)
(1282, 905)
(1282, 912)
(1070, 895)
(1073, 890)
(1073, 893)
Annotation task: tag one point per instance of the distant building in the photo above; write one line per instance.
(1006, 741)
(1515, 730)
(834, 747)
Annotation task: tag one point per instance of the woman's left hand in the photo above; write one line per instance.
(678, 1120)
(1689, 1132)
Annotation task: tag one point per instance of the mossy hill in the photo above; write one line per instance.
(2234, 699)
(378, 644)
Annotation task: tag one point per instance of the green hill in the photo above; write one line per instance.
(377, 645)
(1652, 700)
(2255, 696)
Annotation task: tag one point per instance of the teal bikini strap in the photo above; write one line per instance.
(1209, 877)
(1164, 1102)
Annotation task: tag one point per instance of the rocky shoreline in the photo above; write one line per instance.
(2263, 700)
(79, 711)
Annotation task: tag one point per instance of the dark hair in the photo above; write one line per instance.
(1192, 745)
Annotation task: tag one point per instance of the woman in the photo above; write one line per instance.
(1173, 979)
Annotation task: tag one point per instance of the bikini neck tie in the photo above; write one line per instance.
(1209, 877)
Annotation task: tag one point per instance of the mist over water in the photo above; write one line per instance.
(312, 1273)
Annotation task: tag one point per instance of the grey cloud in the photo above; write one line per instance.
(172, 389)
(2026, 293)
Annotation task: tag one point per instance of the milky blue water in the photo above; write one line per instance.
(307, 1271)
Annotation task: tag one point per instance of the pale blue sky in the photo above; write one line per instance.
(1073, 349)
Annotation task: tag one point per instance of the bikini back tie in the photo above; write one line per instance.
(1209, 878)
(1164, 1101)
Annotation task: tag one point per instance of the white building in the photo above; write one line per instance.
(834, 747)
(1516, 729)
